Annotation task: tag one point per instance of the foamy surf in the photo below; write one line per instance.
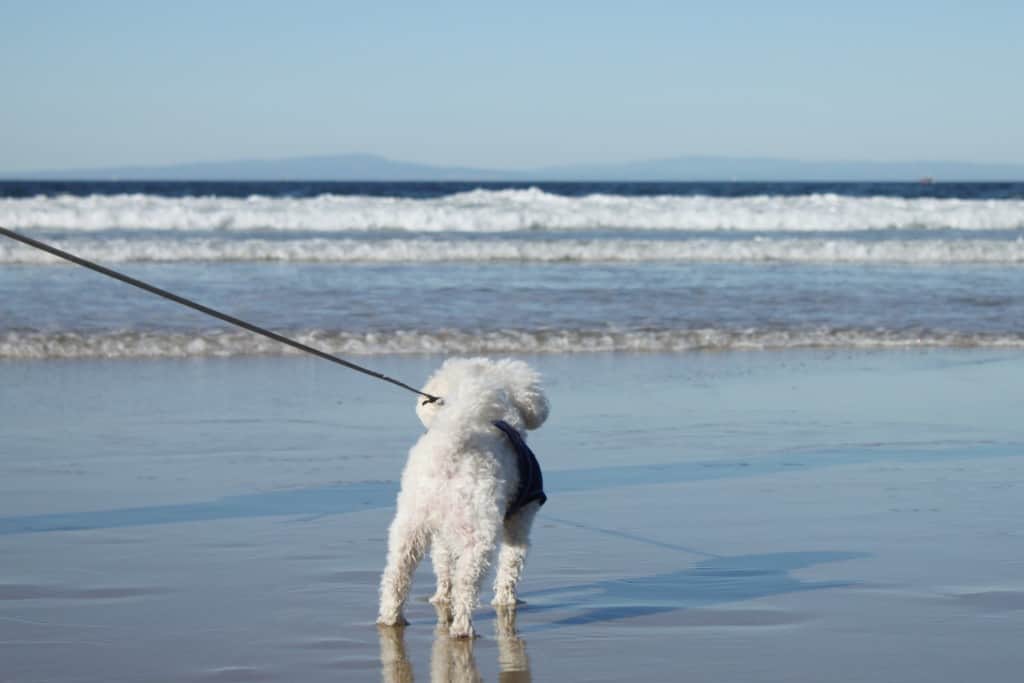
(540, 251)
(219, 344)
(484, 211)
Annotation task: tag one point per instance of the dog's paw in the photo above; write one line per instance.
(444, 615)
(511, 604)
(506, 598)
(440, 599)
(462, 630)
(392, 620)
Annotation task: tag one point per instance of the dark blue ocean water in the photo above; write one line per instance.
(431, 190)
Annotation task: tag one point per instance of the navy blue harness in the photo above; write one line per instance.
(531, 482)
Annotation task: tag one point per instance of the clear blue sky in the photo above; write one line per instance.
(509, 84)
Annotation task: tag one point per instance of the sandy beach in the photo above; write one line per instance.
(796, 516)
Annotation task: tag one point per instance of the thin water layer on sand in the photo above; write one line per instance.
(771, 517)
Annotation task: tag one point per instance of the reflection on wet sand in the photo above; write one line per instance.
(453, 659)
(513, 663)
(713, 581)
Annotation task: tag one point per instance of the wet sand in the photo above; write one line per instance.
(799, 516)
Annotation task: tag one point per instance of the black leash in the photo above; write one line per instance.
(208, 311)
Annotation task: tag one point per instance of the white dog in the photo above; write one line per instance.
(468, 479)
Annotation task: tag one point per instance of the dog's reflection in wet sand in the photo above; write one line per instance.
(453, 659)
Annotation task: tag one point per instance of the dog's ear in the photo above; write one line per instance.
(525, 392)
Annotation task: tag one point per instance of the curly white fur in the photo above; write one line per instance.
(456, 487)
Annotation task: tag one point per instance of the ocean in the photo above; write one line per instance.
(413, 268)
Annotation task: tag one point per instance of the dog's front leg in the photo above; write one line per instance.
(469, 573)
(512, 558)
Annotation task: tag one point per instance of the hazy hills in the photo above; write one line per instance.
(355, 167)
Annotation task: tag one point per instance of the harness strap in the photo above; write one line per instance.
(531, 481)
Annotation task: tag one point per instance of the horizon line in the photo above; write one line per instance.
(367, 167)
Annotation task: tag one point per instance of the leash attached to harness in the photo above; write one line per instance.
(531, 481)
(429, 398)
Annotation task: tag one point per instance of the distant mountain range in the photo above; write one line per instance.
(366, 167)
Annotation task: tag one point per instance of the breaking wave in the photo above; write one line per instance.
(509, 211)
(134, 344)
(544, 251)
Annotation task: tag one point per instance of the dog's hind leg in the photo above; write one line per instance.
(407, 542)
(512, 557)
(470, 567)
(441, 555)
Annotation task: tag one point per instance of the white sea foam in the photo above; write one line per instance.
(509, 210)
(757, 250)
(116, 345)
